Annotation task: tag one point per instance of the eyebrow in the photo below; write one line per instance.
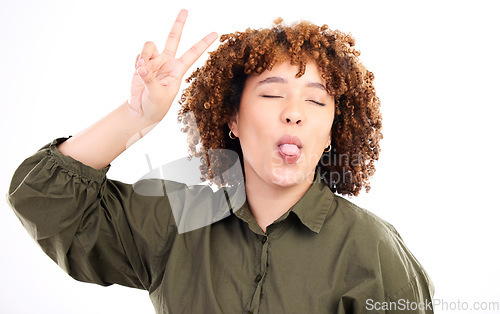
(316, 85)
(277, 79)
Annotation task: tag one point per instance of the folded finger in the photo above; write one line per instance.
(148, 77)
(137, 60)
(148, 52)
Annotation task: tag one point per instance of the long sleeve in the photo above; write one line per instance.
(98, 230)
(416, 295)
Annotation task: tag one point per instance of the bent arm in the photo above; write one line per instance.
(98, 230)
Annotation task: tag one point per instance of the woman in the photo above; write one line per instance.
(301, 112)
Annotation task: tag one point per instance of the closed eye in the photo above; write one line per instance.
(277, 96)
(317, 102)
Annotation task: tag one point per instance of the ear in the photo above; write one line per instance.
(233, 124)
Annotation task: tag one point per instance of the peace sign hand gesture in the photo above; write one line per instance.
(158, 76)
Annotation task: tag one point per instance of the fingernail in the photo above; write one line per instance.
(139, 63)
(142, 72)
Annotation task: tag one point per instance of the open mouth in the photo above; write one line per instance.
(289, 147)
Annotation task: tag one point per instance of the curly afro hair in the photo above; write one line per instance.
(215, 90)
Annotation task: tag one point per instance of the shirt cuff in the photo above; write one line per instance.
(73, 165)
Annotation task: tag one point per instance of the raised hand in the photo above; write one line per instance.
(156, 82)
(158, 76)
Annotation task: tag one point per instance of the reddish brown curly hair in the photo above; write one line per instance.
(216, 88)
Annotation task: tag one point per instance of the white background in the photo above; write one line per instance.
(65, 64)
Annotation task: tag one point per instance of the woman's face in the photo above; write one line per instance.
(284, 124)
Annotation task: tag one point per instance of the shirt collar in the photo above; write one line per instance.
(311, 209)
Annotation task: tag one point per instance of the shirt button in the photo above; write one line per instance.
(258, 278)
(264, 240)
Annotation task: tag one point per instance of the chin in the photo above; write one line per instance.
(288, 177)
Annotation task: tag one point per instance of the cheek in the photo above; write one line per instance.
(251, 129)
(323, 131)
(256, 118)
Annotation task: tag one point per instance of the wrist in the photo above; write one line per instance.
(135, 124)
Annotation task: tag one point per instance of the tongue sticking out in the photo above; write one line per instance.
(289, 149)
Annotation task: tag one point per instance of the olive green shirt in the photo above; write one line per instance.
(324, 255)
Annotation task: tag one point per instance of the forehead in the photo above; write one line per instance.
(288, 72)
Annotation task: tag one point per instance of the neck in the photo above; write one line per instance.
(268, 202)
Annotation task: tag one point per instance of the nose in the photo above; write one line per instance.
(292, 114)
(293, 118)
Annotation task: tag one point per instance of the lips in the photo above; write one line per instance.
(289, 147)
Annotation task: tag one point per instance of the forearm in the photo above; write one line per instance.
(102, 142)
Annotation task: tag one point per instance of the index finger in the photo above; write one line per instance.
(190, 56)
(175, 34)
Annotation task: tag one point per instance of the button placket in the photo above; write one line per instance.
(263, 260)
(255, 304)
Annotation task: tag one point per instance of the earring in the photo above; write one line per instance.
(328, 149)
(231, 135)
